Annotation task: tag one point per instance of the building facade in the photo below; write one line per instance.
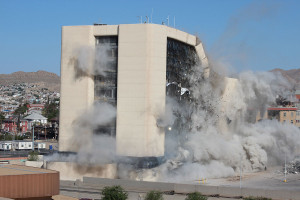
(283, 114)
(143, 61)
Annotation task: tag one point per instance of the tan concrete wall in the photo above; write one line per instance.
(74, 171)
(259, 116)
(298, 118)
(77, 94)
(141, 89)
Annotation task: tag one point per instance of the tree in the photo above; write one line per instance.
(2, 117)
(33, 156)
(195, 196)
(154, 195)
(114, 193)
(50, 111)
(21, 109)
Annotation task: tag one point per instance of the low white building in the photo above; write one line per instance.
(21, 145)
(5, 145)
(39, 145)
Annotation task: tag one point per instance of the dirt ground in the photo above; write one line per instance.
(272, 178)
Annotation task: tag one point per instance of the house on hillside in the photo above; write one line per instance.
(35, 107)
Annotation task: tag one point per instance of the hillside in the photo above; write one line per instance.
(41, 78)
(292, 75)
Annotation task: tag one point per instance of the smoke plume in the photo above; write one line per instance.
(91, 61)
(219, 135)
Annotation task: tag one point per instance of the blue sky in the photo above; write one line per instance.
(240, 34)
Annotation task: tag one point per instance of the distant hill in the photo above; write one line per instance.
(292, 75)
(42, 78)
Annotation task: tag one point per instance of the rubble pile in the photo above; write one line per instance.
(293, 167)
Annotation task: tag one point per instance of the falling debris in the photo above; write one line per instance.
(293, 167)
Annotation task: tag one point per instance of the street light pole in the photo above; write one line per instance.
(33, 137)
(285, 168)
(241, 173)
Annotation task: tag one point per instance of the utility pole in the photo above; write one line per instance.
(168, 19)
(285, 168)
(241, 172)
(33, 137)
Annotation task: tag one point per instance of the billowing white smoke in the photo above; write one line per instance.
(209, 147)
(92, 148)
(92, 60)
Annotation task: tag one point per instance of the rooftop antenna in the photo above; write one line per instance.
(151, 15)
(141, 19)
(168, 20)
(147, 19)
(174, 21)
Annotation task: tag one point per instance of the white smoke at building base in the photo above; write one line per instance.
(205, 146)
(213, 135)
(91, 148)
(220, 136)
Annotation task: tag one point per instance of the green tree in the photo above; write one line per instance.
(33, 156)
(114, 193)
(154, 195)
(2, 117)
(21, 109)
(6, 136)
(195, 196)
(50, 111)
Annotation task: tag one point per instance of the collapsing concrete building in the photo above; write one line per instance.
(140, 64)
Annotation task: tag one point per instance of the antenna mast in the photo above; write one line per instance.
(168, 20)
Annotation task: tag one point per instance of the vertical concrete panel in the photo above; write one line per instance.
(142, 57)
(77, 93)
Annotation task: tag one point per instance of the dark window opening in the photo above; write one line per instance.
(105, 88)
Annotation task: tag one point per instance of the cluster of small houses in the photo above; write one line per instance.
(13, 95)
(10, 124)
(20, 145)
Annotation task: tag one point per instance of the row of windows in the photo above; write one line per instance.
(292, 114)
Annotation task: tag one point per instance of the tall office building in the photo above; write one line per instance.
(140, 64)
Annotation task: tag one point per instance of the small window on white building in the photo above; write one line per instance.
(284, 114)
(292, 121)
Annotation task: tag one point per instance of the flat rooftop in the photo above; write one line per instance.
(6, 170)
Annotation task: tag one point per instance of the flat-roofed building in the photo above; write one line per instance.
(283, 114)
(23, 182)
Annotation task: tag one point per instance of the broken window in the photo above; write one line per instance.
(181, 60)
(105, 84)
